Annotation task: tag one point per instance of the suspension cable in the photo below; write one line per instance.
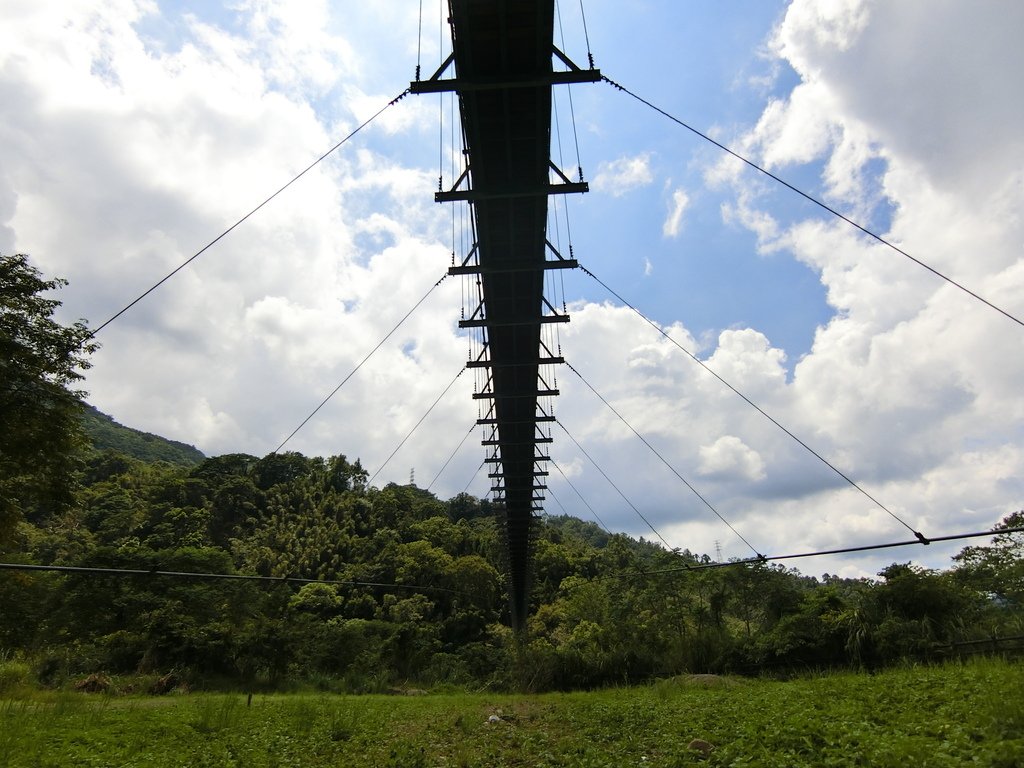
(417, 424)
(452, 456)
(604, 527)
(568, 88)
(227, 231)
(613, 485)
(817, 202)
(558, 501)
(585, 502)
(760, 561)
(89, 571)
(482, 463)
(360, 365)
(839, 551)
(672, 469)
(419, 42)
(586, 35)
(921, 537)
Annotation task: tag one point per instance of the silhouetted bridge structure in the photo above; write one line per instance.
(501, 68)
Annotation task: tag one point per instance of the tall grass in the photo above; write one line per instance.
(952, 715)
(14, 674)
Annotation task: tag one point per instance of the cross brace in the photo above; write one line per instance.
(490, 364)
(476, 269)
(435, 84)
(485, 422)
(518, 442)
(541, 320)
(503, 395)
(456, 195)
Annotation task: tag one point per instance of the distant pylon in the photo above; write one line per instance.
(718, 551)
(412, 476)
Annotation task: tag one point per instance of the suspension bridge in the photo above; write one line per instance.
(502, 68)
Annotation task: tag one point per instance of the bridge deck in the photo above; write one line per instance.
(503, 63)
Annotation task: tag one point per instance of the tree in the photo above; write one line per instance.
(40, 415)
(996, 571)
(277, 468)
(999, 567)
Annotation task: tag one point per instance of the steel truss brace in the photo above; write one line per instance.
(574, 74)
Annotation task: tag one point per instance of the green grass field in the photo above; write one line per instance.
(954, 715)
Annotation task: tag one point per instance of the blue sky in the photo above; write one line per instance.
(132, 132)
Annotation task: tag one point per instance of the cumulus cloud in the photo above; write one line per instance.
(122, 156)
(621, 176)
(121, 159)
(729, 457)
(902, 384)
(910, 388)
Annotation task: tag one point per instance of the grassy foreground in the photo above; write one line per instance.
(955, 715)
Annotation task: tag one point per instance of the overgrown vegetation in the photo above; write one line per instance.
(40, 415)
(596, 620)
(416, 594)
(105, 434)
(953, 715)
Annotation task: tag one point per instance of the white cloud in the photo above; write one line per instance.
(121, 157)
(928, 80)
(674, 222)
(912, 388)
(823, 27)
(903, 384)
(297, 53)
(746, 359)
(121, 161)
(796, 130)
(621, 176)
(730, 457)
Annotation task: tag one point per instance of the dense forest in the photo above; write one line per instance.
(361, 588)
(411, 590)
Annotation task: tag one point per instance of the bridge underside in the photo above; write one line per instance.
(502, 55)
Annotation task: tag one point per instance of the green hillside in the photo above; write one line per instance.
(362, 589)
(106, 434)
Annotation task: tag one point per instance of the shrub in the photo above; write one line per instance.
(14, 673)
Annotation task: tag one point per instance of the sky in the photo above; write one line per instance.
(134, 132)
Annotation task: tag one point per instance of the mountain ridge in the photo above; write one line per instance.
(107, 434)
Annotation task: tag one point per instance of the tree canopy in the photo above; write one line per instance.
(412, 589)
(409, 587)
(40, 414)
